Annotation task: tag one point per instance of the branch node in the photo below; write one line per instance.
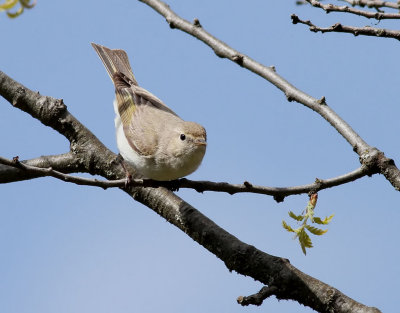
(369, 159)
(289, 97)
(238, 58)
(196, 22)
(337, 26)
(378, 16)
(16, 159)
(295, 18)
(279, 198)
(322, 101)
(171, 23)
(272, 67)
(247, 184)
(318, 184)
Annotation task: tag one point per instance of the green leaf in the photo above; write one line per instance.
(315, 230)
(8, 4)
(325, 221)
(27, 4)
(296, 217)
(328, 219)
(305, 241)
(287, 227)
(16, 14)
(318, 220)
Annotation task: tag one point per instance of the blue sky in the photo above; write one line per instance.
(70, 248)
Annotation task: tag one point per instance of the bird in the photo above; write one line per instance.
(150, 136)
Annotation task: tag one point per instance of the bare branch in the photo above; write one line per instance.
(279, 193)
(222, 50)
(373, 3)
(334, 8)
(30, 171)
(339, 28)
(320, 106)
(11, 173)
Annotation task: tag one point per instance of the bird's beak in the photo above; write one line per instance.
(200, 142)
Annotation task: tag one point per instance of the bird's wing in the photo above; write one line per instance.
(137, 123)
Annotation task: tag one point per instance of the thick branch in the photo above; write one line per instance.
(288, 282)
(222, 50)
(94, 158)
(335, 8)
(339, 28)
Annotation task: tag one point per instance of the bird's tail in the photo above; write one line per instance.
(116, 63)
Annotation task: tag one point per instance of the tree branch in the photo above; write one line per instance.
(24, 170)
(373, 3)
(247, 260)
(9, 171)
(259, 297)
(27, 171)
(93, 157)
(334, 8)
(320, 106)
(339, 28)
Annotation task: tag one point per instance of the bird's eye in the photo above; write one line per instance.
(182, 136)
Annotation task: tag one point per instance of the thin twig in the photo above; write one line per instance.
(67, 162)
(48, 171)
(335, 8)
(339, 28)
(259, 297)
(373, 3)
(279, 193)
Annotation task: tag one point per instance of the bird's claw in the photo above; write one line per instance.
(128, 180)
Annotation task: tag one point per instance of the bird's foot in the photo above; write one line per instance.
(128, 176)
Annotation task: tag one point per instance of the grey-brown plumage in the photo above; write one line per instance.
(156, 141)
